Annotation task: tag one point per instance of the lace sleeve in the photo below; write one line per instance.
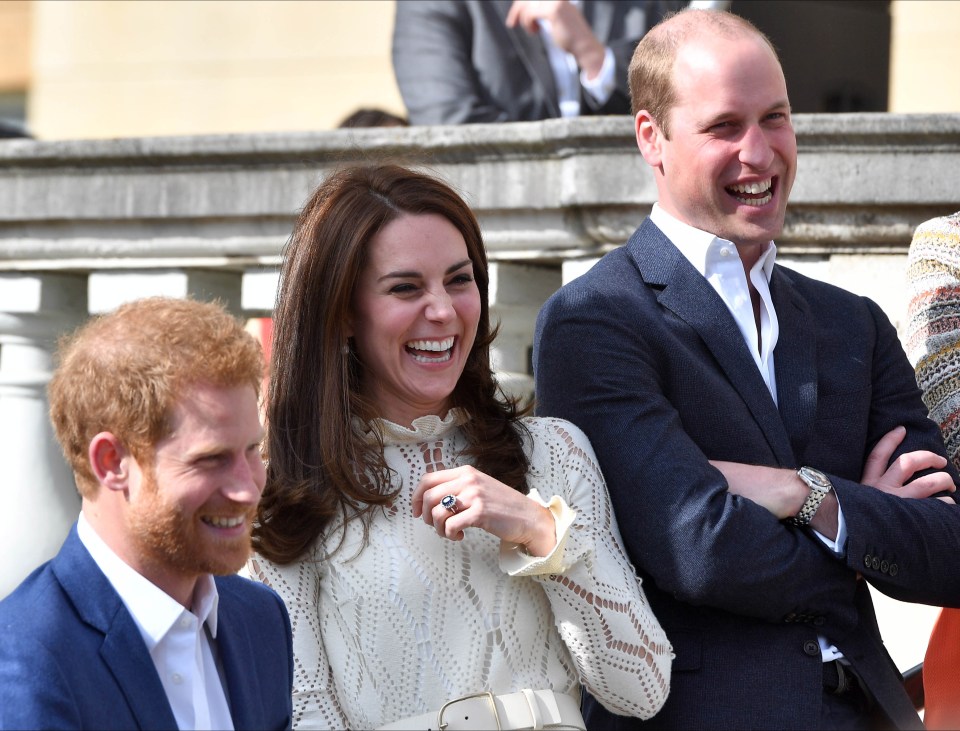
(622, 654)
(315, 704)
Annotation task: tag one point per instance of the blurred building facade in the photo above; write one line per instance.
(101, 68)
(15, 44)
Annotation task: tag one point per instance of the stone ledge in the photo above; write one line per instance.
(545, 191)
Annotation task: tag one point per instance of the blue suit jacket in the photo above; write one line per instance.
(71, 655)
(642, 354)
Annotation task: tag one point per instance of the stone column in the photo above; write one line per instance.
(37, 488)
(517, 291)
(109, 290)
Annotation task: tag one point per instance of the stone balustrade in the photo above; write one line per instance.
(86, 225)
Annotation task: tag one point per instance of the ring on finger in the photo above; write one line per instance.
(451, 503)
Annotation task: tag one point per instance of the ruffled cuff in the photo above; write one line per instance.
(517, 562)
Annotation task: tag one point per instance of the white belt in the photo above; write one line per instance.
(525, 709)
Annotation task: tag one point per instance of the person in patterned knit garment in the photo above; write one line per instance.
(431, 542)
(933, 346)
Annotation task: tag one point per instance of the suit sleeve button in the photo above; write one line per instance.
(884, 566)
(894, 569)
(867, 559)
(811, 648)
(875, 563)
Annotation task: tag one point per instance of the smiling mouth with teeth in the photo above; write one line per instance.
(752, 194)
(223, 521)
(431, 351)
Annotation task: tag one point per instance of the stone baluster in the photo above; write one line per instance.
(109, 290)
(517, 291)
(39, 496)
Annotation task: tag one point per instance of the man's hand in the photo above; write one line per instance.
(780, 491)
(896, 479)
(569, 29)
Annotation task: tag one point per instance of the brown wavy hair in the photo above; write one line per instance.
(321, 468)
(123, 373)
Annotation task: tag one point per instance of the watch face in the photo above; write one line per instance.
(815, 476)
(820, 486)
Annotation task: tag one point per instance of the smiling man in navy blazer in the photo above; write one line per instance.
(759, 430)
(155, 406)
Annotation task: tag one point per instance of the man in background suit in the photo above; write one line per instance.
(460, 61)
(746, 417)
(155, 406)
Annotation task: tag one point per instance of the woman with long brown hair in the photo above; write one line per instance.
(444, 558)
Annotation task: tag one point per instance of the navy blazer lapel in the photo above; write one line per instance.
(795, 360)
(533, 54)
(244, 693)
(123, 649)
(685, 292)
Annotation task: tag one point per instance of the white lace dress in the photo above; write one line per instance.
(414, 620)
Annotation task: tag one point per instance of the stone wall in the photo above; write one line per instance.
(85, 225)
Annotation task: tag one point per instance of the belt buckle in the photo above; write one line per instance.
(487, 694)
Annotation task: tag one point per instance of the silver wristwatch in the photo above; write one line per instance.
(820, 486)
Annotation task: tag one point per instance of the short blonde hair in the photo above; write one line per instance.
(651, 69)
(123, 373)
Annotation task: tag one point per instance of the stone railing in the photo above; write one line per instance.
(85, 225)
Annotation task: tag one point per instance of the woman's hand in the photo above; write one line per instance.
(485, 503)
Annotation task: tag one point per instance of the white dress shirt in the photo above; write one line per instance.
(719, 262)
(174, 636)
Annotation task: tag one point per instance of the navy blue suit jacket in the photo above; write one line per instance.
(71, 655)
(643, 355)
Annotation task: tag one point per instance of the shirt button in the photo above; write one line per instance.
(724, 252)
(811, 648)
(177, 678)
(184, 622)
